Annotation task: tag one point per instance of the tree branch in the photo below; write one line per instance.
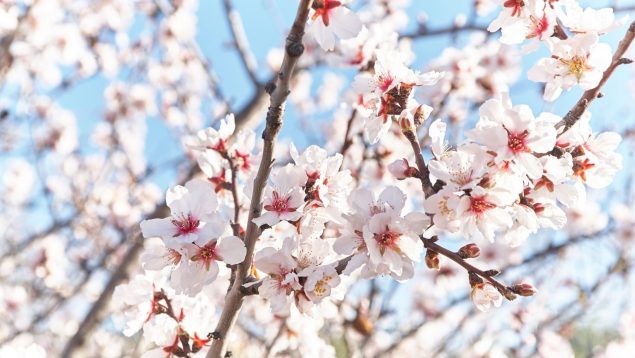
(590, 95)
(278, 96)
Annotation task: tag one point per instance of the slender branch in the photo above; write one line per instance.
(243, 118)
(424, 31)
(278, 96)
(240, 41)
(348, 141)
(424, 173)
(234, 189)
(432, 245)
(590, 95)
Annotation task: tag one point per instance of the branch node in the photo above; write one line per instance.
(295, 48)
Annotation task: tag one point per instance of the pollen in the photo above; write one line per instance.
(479, 204)
(576, 65)
(185, 224)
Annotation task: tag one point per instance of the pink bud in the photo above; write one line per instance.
(523, 289)
(399, 168)
(469, 251)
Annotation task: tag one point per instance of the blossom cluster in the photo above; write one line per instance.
(323, 224)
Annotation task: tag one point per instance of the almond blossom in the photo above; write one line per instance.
(580, 60)
(485, 295)
(513, 134)
(388, 92)
(194, 217)
(284, 198)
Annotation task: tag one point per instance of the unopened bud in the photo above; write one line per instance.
(492, 273)
(401, 169)
(432, 259)
(523, 289)
(398, 168)
(469, 251)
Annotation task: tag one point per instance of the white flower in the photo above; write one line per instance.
(596, 161)
(392, 246)
(484, 295)
(319, 283)
(579, 20)
(514, 134)
(282, 280)
(523, 19)
(388, 92)
(190, 276)
(330, 18)
(284, 197)
(579, 60)
(193, 217)
(482, 213)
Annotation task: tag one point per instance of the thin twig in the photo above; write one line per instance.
(590, 95)
(278, 96)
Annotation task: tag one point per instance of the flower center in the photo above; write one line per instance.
(173, 256)
(577, 66)
(279, 204)
(321, 286)
(580, 168)
(243, 160)
(185, 224)
(515, 5)
(517, 141)
(207, 254)
(387, 239)
(538, 27)
(479, 204)
(322, 9)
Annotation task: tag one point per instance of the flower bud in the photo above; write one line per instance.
(399, 168)
(432, 259)
(469, 251)
(523, 289)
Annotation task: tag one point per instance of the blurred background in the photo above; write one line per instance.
(95, 100)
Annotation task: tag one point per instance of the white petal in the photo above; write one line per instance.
(231, 250)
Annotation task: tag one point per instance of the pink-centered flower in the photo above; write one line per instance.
(193, 220)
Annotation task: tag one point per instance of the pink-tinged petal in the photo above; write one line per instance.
(394, 261)
(189, 277)
(394, 197)
(174, 193)
(412, 247)
(231, 250)
(347, 244)
(345, 23)
(201, 198)
(158, 228)
(531, 164)
(267, 218)
(323, 35)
